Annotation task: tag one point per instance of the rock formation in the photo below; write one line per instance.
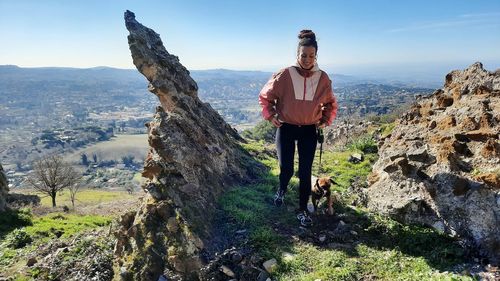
(4, 189)
(194, 157)
(441, 164)
(340, 133)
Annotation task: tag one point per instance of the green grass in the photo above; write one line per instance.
(341, 170)
(64, 225)
(387, 129)
(58, 225)
(138, 178)
(22, 233)
(312, 263)
(382, 250)
(335, 165)
(392, 263)
(365, 144)
(15, 243)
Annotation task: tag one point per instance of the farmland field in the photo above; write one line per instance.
(114, 149)
(107, 202)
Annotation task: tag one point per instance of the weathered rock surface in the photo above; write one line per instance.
(4, 189)
(441, 164)
(194, 157)
(340, 133)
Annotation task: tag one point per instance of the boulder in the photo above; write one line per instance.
(270, 265)
(356, 158)
(194, 157)
(441, 169)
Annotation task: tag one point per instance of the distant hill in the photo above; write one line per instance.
(9, 73)
(201, 75)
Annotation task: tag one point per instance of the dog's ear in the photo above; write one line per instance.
(333, 182)
(317, 181)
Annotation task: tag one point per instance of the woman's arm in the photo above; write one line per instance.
(329, 109)
(268, 98)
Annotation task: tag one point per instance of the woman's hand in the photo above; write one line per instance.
(320, 125)
(330, 211)
(276, 123)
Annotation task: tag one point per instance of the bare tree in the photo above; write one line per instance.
(73, 190)
(51, 174)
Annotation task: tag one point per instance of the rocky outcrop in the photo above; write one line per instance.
(18, 200)
(4, 189)
(194, 157)
(341, 133)
(14, 200)
(441, 164)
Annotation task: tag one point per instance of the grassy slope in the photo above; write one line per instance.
(374, 247)
(21, 234)
(381, 249)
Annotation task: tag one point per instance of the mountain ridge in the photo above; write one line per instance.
(55, 72)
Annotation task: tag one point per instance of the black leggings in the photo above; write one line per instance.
(306, 138)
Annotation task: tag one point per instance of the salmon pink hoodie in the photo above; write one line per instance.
(299, 97)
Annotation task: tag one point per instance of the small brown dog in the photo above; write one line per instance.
(321, 188)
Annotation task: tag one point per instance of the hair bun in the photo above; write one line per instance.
(306, 33)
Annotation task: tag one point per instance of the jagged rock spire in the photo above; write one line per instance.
(194, 157)
(163, 70)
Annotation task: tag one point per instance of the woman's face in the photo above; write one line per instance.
(306, 56)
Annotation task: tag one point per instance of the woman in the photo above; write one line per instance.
(298, 100)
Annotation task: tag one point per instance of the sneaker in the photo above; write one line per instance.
(304, 219)
(279, 197)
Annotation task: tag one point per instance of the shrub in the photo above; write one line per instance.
(387, 129)
(264, 130)
(364, 143)
(128, 160)
(84, 159)
(15, 218)
(19, 238)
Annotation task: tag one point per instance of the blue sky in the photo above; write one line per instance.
(354, 36)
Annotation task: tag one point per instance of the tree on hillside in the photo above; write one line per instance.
(128, 160)
(73, 190)
(264, 130)
(85, 160)
(51, 175)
